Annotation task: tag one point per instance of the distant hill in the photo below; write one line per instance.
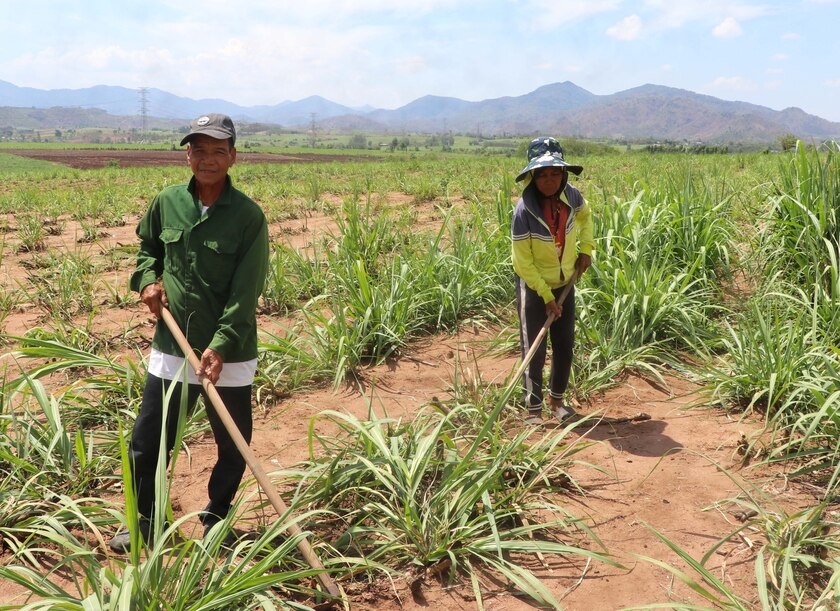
(564, 109)
(63, 117)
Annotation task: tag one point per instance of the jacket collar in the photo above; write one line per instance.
(224, 196)
(529, 196)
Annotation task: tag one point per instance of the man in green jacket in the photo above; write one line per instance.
(552, 238)
(204, 255)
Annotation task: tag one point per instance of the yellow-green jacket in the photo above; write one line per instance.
(534, 253)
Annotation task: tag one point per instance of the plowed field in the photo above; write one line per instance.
(100, 158)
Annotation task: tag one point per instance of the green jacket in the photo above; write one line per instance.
(533, 250)
(213, 268)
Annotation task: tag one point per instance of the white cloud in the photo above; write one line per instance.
(733, 83)
(669, 14)
(414, 64)
(779, 57)
(388, 52)
(728, 28)
(629, 28)
(293, 62)
(550, 14)
(315, 10)
(84, 67)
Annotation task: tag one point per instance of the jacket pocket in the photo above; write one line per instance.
(218, 261)
(173, 249)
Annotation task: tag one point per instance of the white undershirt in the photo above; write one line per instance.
(169, 367)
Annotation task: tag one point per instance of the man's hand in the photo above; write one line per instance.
(210, 366)
(582, 264)
(552, 307)
(154, 296)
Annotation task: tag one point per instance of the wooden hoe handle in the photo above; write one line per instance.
(538, 340)
(256, 468)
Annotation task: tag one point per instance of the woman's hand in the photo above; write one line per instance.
(583, 263)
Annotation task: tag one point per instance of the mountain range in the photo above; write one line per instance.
(563, 109)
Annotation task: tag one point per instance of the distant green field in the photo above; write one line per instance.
(52, 145)
(15, 164)
(300, 142)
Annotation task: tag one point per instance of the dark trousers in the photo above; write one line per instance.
(532, 317)
(147, 434)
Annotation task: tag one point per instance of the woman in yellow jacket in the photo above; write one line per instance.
(552, 238)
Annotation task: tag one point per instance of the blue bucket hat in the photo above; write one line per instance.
(546, 152)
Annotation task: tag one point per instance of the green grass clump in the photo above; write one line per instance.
(722, 268)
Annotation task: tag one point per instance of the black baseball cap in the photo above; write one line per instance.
(214, 125)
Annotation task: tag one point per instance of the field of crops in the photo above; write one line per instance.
(714, 273)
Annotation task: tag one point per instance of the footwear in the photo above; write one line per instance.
(563, 412)
(121, 542)
(534, 419)
(230, 539)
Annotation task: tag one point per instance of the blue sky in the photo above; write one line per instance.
(386, 53)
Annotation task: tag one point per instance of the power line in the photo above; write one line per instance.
(144, 108)
(312, 130)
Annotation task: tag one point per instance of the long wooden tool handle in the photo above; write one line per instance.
(256, 468)
(538, 340)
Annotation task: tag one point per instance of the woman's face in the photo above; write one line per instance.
(549, 180)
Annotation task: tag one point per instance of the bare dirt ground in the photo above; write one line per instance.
(664, 473)
(100, 158)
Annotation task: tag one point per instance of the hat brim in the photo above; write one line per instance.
(218, 134)
(548, 161)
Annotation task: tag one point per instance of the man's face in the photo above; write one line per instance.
(549, 180)
(210, 159)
